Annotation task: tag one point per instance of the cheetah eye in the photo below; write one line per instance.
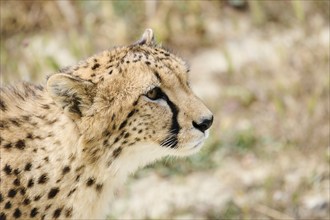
(155, 93)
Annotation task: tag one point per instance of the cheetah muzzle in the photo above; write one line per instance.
(66, 146)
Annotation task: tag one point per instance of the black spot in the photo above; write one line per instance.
(3, 107)
(110, 72)
(33, 212)
(135, 102)
(57, 213)
(26, 118)
(52, 193)
(29, 136)
(77, 178)
(8, 205)
(148, 63)
(71, 191)
(116, 152)
(22, 191)
(96, 65)
(7, 169)
(16, 182)
(48, 206)
(2, 216)
(12, 193)
(123, 124)
(131, 113)
(99, 187)
(105, 142)
(3, 124)
(43, 179)
(26, 201)
(68, 212)
(106, 133)
(93, 75)
(65, 170)
(17, 213)
(126, 135)
(8, 145)
(158, 76)
(15, 122)
(30, 183)
(44, 106)
(90, 181)
(46, 159)
(16, 171)
(37, 198)
(1, 198)
(20, 144)
(28, 167)
(116, 140)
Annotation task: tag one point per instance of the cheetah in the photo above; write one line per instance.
(66, 146)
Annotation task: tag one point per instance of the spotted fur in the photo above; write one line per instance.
(66, 146)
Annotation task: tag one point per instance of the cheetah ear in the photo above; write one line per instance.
(73, 95)
(147, 38)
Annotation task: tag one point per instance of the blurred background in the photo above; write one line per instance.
(261, 66)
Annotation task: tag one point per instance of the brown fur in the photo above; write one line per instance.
(66, 147)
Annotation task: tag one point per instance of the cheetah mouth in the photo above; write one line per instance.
(199, 144)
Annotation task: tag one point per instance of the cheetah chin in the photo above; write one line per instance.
(68, 145)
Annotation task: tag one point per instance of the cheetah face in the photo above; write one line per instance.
(173, 116)
(133, 96)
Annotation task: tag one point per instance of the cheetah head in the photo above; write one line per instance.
(133, 96)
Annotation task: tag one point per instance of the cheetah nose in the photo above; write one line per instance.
(204, 124)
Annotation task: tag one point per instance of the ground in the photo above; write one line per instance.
(264, 72)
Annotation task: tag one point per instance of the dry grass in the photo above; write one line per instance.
(263, 68)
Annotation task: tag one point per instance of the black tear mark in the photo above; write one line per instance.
(172, 140)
